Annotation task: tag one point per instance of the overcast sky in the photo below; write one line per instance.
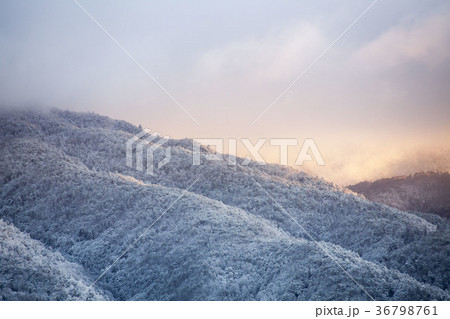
(377, 103)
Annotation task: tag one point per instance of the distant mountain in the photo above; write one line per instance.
(66, 194)
(424, 192)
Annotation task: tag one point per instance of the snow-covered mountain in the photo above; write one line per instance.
(425, 192)
(238, 233)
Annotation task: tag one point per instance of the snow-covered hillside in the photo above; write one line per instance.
(65, 184)
(425, 192)
(30, 271)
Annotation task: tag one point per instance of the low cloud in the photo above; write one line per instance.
(276, 56)
(372, 163)
(426, 42)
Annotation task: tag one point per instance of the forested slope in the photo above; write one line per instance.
(29, 271)
(427, 192)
